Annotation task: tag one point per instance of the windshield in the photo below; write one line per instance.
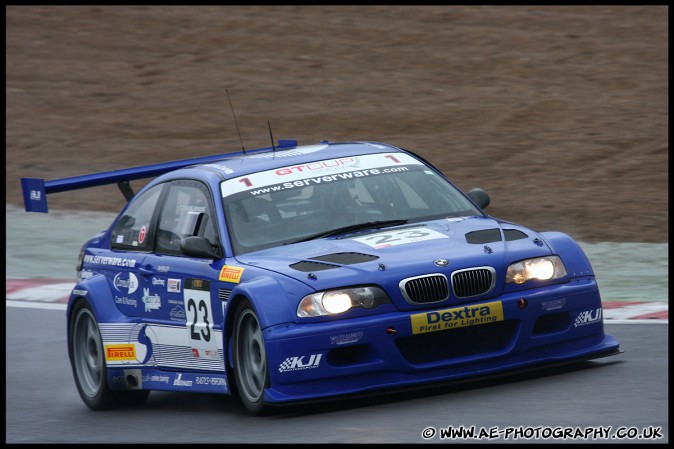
(297, 203)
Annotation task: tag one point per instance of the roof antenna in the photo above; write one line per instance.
(271, 137)
(237, 123)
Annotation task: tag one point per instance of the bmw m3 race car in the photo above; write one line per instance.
(293, 273)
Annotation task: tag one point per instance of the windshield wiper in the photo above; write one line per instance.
(351, 228)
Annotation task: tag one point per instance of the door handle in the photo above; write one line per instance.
(146, 271)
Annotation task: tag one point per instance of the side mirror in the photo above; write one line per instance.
(479, 197)
(198, 247)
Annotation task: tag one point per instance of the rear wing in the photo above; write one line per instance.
(35, 190)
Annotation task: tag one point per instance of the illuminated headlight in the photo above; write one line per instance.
(333, 302)
(544, 268)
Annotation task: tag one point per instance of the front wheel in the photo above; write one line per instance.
(250, 359)
(87, 359)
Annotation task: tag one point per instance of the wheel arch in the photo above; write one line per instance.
(576, 261)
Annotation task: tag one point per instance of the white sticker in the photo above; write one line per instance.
(199, 323)
(319, 171)
(399, 237)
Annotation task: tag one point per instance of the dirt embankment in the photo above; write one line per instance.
(560, 113)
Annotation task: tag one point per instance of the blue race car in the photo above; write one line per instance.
(293, 273)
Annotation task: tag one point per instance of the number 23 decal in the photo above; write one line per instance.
(401, 237)
(381, 239)
(200, 320)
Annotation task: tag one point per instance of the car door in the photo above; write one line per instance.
(183, 313)
(131, 240)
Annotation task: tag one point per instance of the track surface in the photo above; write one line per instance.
(628, 390)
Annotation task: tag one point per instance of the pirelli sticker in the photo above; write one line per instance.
(231, 274)
(120, 352)
(440, 320)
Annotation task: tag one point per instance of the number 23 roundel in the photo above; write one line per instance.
(197, 297)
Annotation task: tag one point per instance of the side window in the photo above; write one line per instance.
(186, 212)
(132, 231)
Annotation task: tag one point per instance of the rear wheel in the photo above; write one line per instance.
(87, 359)
(250, 359)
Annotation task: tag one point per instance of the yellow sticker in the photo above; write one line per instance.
(231, 274)
(471, 315)
(120, 352)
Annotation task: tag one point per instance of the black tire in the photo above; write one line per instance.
(87, 359)
(250, 361)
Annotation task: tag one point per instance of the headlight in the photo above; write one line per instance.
(544, 268)
(333, 302)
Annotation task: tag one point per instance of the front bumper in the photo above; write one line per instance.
(360, 355)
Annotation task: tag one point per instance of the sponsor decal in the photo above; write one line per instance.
(173, 286)
(106, 260)
(343, 339)
(119, 379)
(317, 172)
(588, 317)
(440, 320)
(402, 236)
(141, 234)
(125, 281)
(205, 354)
(163, 268)
(156, 378)
(178, 381)
(299, 363)
(554, 304)
(198, 284)
(177, 313)
(206, 380)
(306, 149)
(223, 168)
(79, 292)
(85, 274)
(231, 274)
(120, 352)
(120, 238)
(158, 281)
(318, 167)
(35, 195)
(152, 302)
(125, 301)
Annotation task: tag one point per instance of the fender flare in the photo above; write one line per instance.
(575, 260)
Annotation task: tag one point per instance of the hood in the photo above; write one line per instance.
(387, 256)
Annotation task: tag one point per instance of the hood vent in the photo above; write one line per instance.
(308, 266)
(346, 258)
(484, 236)
(514, 234)
(328, 261)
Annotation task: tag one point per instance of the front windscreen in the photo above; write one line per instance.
(290, 204)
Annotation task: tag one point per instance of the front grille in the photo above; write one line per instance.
(453, 343)
(473, 281)
(425, 289)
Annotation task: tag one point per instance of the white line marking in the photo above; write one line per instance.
(50, 292)
(36, 305)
